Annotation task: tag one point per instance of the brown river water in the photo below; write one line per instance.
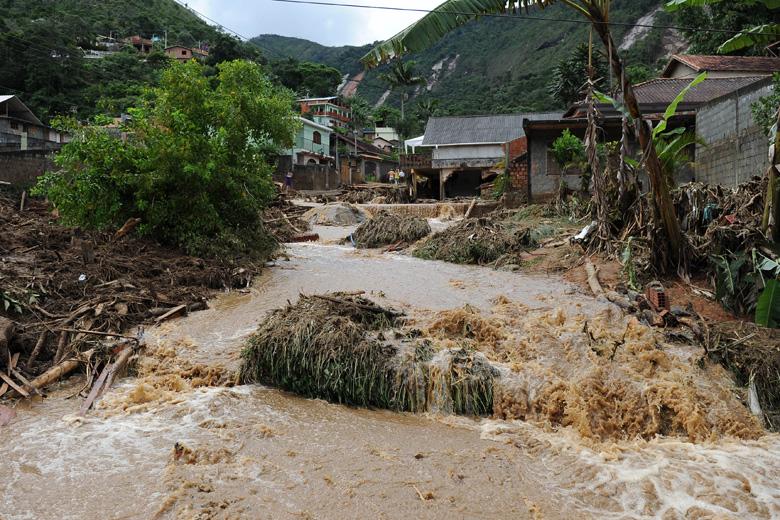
(176, 442)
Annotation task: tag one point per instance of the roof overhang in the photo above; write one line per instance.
(18, 110)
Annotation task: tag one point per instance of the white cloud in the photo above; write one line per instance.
(324, 24)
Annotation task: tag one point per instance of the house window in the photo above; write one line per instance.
(183, 53)
(316, 138)
(552, 164)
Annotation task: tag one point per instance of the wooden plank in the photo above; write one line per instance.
(172, 313)
(96, 388)
(5, 387)
(13, 385)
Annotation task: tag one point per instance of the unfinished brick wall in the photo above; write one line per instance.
(22, 168)
(518, 174)
(735, 147)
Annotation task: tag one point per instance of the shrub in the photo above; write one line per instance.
(193, 163)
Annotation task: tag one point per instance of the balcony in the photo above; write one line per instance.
(331, 114)
(416, 161)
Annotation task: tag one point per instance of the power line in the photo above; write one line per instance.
(514, 17)
(229, 30)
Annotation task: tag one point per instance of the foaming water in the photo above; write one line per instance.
(178, 441)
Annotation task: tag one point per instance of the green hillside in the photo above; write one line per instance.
(41, 58)
(492, 64)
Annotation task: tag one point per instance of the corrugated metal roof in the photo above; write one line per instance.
(748, 64)
(502, 128)
(19, 110)
(664, 90)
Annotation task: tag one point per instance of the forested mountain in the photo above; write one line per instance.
(41, 58)
(498, 64)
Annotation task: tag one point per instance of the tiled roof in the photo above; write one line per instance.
(664, 90)
(747, 64)
(502, 128)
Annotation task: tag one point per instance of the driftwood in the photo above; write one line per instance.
(593, 279)
(126, 228)
(471, 208)
(172, 313)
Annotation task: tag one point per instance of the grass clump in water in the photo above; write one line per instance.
(474, 241)
(348, 350)
(387, 228)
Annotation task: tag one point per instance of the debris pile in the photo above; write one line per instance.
(283, 219)
(375, 194)
(67, 290)
(752, 354)
(347, 349)
(335, 214)
(390, 229)
(475, 241)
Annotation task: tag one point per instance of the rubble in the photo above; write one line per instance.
(71, 293)
(390, 229)
(335, 214)
(375, 194)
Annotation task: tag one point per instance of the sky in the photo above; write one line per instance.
(323, 24)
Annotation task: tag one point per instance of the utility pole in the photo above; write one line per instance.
(166, 38)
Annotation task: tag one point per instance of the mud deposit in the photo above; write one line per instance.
(177, 440)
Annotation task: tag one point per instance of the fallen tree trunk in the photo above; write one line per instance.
(593, 279)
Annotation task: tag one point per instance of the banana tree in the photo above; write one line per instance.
(454, 13)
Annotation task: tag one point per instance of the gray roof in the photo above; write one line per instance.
(19, 110)
(664, 90)
(502, 128)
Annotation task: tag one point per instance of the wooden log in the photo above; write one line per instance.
(61, 344)
(96, 390)
(126, 228)
(593, 279)
(471, 208)
(119, 365)
(13, 384)
(58, 371)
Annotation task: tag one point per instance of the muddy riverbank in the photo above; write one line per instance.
(179, 441)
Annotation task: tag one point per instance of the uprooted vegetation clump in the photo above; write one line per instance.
(475, 241)
(346, 349)
(386, 228)
(604, 377)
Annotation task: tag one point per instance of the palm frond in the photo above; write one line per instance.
(434, 25)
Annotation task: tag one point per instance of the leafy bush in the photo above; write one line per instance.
(192, 165)
(765, 108)
(568, 150)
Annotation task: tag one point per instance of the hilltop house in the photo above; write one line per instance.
(141, 44)
(327, 111)
(717, 109)
(181, 53)
(466, 151)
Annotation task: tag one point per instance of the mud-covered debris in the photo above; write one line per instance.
(752, 354)
(475, 241)
(335, 214)
(64, 305)
(387, 228)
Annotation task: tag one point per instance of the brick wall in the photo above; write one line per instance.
(22, 168)
(735, 147)
(518, 174)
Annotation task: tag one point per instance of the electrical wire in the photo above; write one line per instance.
(513, 16)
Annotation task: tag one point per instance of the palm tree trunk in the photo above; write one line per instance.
(660, 191)
(770, 224)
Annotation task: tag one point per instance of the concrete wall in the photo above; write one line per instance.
(736, 148)
(545, 174)
(315, 177)
(22, 168)
(476, 156)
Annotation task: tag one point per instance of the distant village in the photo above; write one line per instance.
(461, 156)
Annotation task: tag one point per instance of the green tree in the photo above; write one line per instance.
(454, 13)
(307, 78)
(568, 83)
(194, 167)
(756, 22)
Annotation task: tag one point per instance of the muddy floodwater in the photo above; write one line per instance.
(179, 441)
